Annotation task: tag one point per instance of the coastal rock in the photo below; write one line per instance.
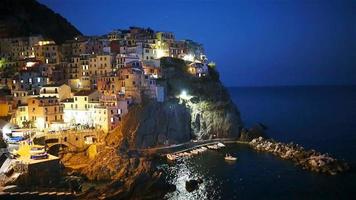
(307, 159)
(258, 130)
(192, 185)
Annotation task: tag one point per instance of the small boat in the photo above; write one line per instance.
(204, 148)
(39, 156)
(220, 145)
(187, 154)
(37, 149)
(171, 157)
(213, 147)
(230, 158)
(194, 152)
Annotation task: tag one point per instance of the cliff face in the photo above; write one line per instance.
(206, 113)
(28, 17)
(152, 124)
(213, 114)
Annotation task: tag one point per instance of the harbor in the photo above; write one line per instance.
(194, 150)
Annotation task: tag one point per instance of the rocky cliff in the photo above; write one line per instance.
(28, 17)
(205, 112)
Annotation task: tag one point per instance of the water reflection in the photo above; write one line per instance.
(192, 168)
(179, 173)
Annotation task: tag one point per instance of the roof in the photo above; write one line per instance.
(85, 92)
(54, 85)
(46, 97)
(68, 100)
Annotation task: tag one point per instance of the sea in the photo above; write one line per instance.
(317, 117)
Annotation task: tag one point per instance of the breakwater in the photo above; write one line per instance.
(307, 159)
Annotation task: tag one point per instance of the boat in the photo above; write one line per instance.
(187, 154)
(37, 149)
(39, 156)
(171, 157)
(204, 149)
(15, 140)
(194, 152)
(220, 145)
(213, 147)
(230, 158)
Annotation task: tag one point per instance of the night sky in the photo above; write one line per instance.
(254, 43)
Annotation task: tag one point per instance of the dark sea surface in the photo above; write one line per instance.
(323, 118)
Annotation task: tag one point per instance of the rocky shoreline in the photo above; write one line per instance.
(307, 159)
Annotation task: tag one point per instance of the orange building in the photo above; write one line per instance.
(44, 111)
(110, 85)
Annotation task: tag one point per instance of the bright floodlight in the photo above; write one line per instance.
(184, 95)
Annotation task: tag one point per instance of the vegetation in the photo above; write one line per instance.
(28, 17)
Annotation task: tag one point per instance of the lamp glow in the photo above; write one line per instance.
(184, 95)
(188, 57)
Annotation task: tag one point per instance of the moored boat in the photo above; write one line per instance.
(39, 156)
(230, 158)
(214, 146)
(171, 156)
(194, 152)
(220, 145)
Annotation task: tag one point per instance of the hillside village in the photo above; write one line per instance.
(89, 82)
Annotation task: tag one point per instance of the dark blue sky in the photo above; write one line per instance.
(272, 42)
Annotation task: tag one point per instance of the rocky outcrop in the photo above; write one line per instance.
(207, 113)
(122, 176)
(258, 130)
(193, 184)
(213, 114)
(307, 159)
(154, 124)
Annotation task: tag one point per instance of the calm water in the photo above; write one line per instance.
(323, 118)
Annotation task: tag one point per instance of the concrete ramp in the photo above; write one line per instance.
(6, 166)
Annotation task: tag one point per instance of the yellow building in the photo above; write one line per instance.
(21, 115)
(100, 65)
(5, 107)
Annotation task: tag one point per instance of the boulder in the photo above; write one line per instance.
(193, 184)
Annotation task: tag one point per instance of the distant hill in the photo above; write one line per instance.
(28, 17)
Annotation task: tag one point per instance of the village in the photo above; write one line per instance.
(76, 92)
